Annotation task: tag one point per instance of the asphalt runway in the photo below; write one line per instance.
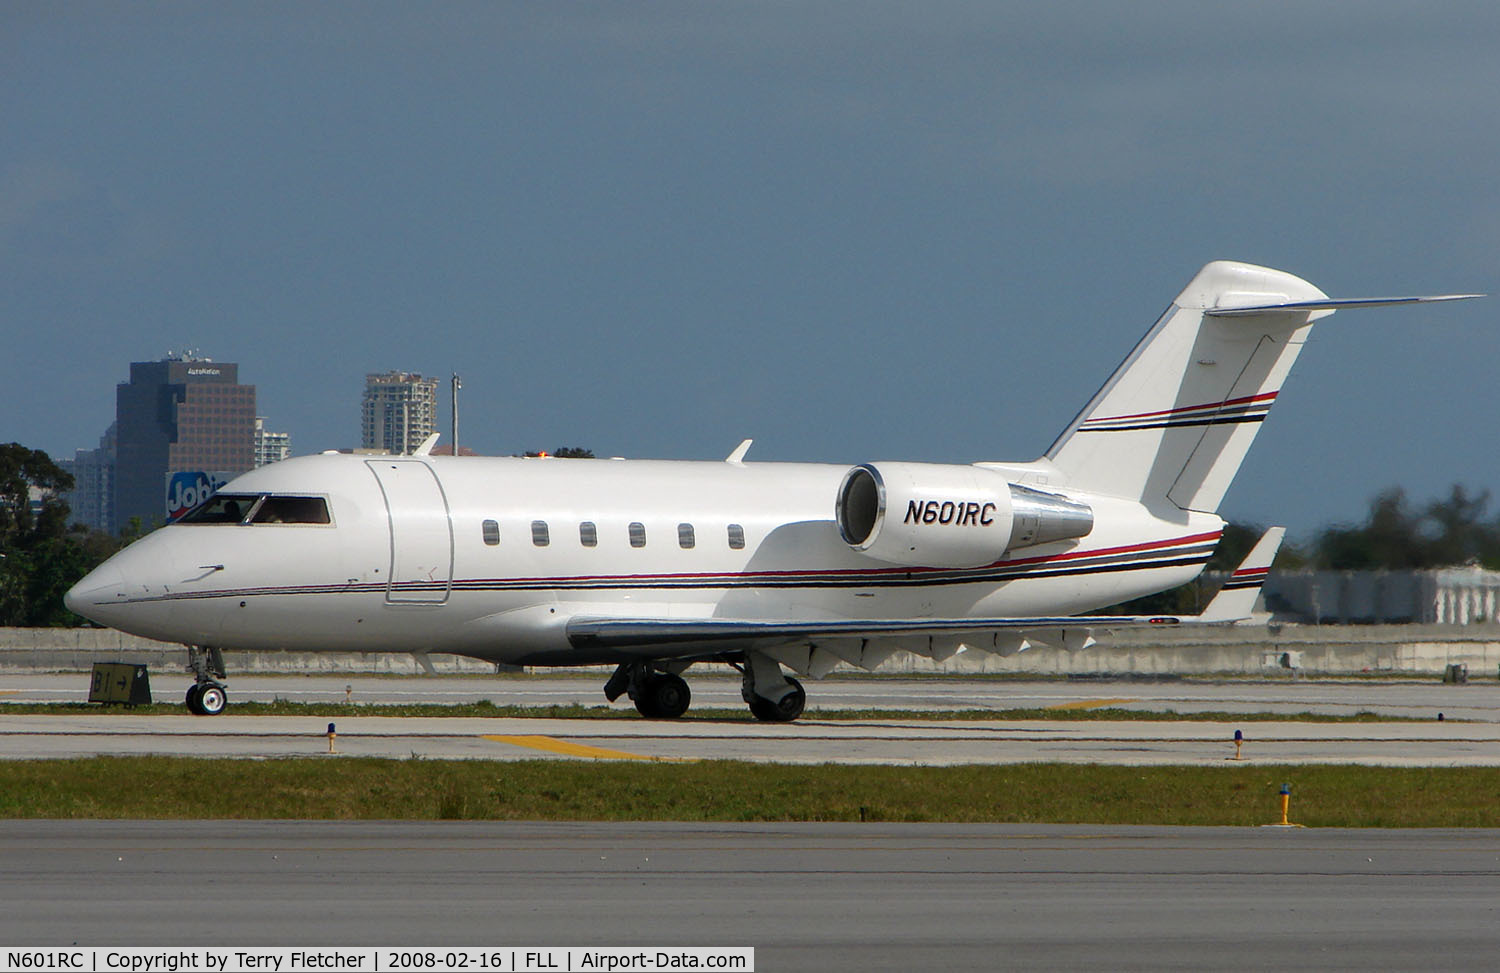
(1470, 738)
(835, 897)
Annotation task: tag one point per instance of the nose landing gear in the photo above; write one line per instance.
(207, 696)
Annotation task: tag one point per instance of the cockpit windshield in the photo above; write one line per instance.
(258, 508)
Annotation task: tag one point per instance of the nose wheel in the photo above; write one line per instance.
(206, 697)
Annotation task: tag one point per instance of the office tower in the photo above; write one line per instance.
(180, 414)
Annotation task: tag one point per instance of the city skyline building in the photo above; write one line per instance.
(399, 411)
(270, 447)
(183, 413)
(91, 502)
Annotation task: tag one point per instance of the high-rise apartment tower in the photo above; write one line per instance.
(400, 411)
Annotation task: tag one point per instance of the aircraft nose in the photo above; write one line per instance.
(95, 591)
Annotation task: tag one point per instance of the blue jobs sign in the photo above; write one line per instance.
(186, 490)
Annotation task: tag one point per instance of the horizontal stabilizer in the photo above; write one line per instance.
(1330, 304)
(1236, 600)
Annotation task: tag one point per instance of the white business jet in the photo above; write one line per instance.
(655, 566)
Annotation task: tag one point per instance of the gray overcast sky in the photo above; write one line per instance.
(919, 231)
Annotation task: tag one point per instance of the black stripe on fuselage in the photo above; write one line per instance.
(1197, 553)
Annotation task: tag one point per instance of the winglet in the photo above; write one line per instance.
(1236, 600)
(737, 458)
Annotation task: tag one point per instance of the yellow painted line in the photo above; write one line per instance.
(1090, 703)
(554, 745)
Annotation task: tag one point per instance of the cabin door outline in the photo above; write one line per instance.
(421, 566)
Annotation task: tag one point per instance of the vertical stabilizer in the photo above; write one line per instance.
(1172, 425)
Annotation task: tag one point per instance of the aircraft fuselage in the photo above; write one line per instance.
(489, 557)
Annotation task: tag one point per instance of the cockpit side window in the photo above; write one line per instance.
(222, 508)
(257, 508)
(292, 510)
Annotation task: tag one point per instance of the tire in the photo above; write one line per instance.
(784, 710)
(194, 700)
(212, 700)
(666, 697)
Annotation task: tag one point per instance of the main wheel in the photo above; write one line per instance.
(784, 710)
(194, 699)
(665, 697)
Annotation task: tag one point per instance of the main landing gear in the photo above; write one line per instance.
(207, 696)
(659, 695)
(771, 696)
(662, 694)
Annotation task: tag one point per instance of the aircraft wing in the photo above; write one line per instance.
(669, 637)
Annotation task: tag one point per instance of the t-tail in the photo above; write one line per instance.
(1172, 425)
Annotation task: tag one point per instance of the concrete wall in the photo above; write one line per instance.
(77, 649)
(1247, 650)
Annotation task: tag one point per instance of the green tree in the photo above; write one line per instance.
(40, 556)
(1457, 532)
(1396, 536)
(29, 556)
(1390, 537)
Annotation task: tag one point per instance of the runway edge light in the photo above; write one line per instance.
(1286, 802)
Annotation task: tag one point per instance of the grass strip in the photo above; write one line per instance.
(487, 710)
(382, 789)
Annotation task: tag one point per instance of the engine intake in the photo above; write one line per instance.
(930, 515)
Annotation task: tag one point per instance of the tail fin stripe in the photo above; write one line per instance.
(1209, 420)
(1266, 397)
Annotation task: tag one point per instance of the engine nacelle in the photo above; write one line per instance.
(929, 515)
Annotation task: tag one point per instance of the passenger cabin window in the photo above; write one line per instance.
(685, 538)
(491, 532)
(539, 533)
(588, 534)
(291, 510)
(637, 535)
(736, 537)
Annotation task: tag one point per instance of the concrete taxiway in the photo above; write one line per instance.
(829, 897)
(1421, 699)
(808, 741)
